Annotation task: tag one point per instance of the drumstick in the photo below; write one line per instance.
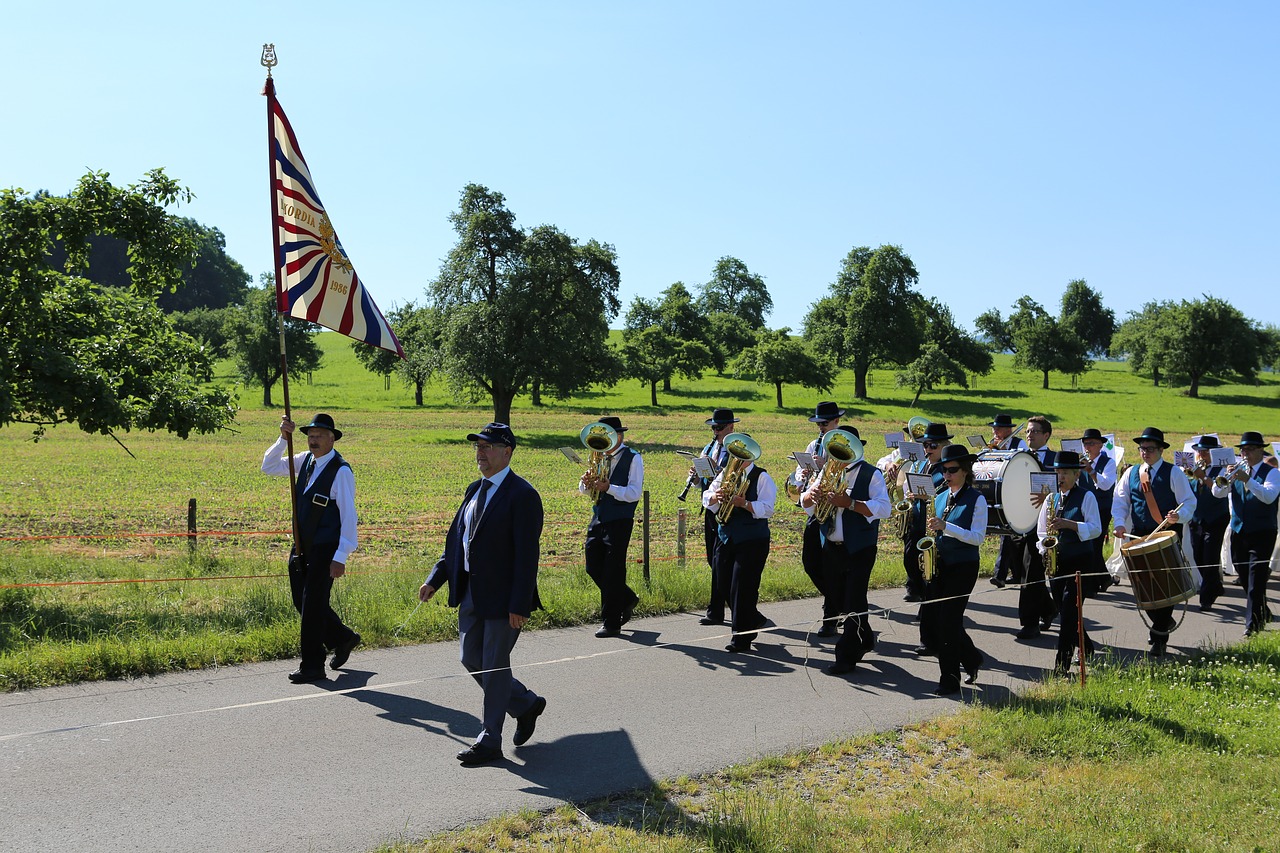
(1162, 524)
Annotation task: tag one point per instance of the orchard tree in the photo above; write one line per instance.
(519, 310)
(102, 358)
(1084, 315)
(652, 355)
(676, 314)
(778, 358)
(735, 302)
(948, 356)
(1144, 339)
(1038, 341)
(254, 337)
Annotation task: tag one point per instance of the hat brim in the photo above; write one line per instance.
(337, 433)
(714, 422)
(816, 418)
(1199, 446)
(498, 439)
(1076, 467)
(1264, 445)
(1163, 444)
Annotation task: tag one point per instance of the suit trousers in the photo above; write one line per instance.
(711, 535)
(1251, 553)
(1035, 605)
(1063, 588)
(1010, 566)
(855, 571)
(310, 585)
(811, 560)
(911, 563)
(486, 654)
(1206, 550)
(942, 621)
(606, 559)
(739, 567)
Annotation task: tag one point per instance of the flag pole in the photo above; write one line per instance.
(269, 61)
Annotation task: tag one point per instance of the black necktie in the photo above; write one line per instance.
(477, 510)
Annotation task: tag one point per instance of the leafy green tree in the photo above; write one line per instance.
(878, 309)
(519, 309)
(1037, 340)
(651, 355)
(734, 302)
(254, 335)
(377, 360)
(675, 313)
(105, 359)
(208, 326)
(778, 358)
(932, 368)
(1211, 337)
(1144, 338)
(1084, 315)
(948, 355)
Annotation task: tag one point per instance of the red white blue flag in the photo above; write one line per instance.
(317, 282)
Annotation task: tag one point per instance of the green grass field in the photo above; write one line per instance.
(75, 507)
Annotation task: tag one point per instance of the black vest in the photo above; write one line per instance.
(1248, 514)
(328, 526)
(950, 549)
(1209, 510)
(1072, 509)
(1161, 490)
(742, 526)
(609, 508)
(859, 531)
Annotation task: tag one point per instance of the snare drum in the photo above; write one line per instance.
(1003, 477)
(1159, 575)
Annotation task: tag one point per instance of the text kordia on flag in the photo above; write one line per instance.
(317, 280)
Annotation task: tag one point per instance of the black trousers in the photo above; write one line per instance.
(1009, 560)
(606, 559)
(739, 567)
(911, 563)
(1206, 550)
(1035, 605)
(711, 535)
(1251, 553)
(811, 560)
(310, 584)
(854, 571)
(942, 621)
(1063, 588)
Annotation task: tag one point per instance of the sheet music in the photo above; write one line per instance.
(1184, 459)
(920, 484)
(706, 470)
(805, 460)
(1075, 445)
(1043, 482)
(976, 441)
(892, 439)
(571, 455)
(1222, 456)
(910, 451)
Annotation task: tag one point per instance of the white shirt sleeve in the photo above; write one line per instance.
(344, 492)
(1120, 513)
(275, 461)
(975, 535)
(631, 492)
(766, 496)
(878, 498)
(1182, 493)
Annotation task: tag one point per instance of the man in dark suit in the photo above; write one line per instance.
(326, 536)
(721, 423)
(490, 562)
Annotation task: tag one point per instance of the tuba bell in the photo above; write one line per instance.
(916, 427)
(842, 450)
(598, 438)
(743, 451)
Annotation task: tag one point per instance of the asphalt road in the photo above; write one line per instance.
(238, 759)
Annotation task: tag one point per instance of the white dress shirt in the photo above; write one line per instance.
(975, 534)
(467, 512)
(1104, 480)
(1090, 528)
(1121, 513)
(877, 500)
(276, 463)
(1265, 491)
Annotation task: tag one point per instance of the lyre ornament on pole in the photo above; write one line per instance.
(269, 60)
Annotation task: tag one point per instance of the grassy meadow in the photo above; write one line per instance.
(77, 508)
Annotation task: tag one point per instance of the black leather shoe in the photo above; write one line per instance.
(840, 668)
(1030, 632)
(478, 754)
(528, 721)
(913, 597)
(1046, 624)
(947, 690)
(828, 629)
(1158, 648)
(306, 676)
(1206, 602)
(606, 631)
(996, 582)
(971, 673)
(628, 612)
(342, 652)
(925, 652)
(870, 644)
(738, 648)
(708, 620)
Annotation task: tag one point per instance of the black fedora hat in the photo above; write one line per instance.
(720, 417)
(827, 411)
(1092, 434)
(614, 422)
(1002, 421)
(1207, 442)
(1251, 439)
(936, 432)
(324, 422)
(956, 453)
(1152, 434)
(494, 433)
(1067, 459)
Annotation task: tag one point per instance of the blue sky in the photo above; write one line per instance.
(1007, 147)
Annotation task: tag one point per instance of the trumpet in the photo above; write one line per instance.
(743, 451)
(598, 437)
(999, 443)
(1050, 542)
(1224, 479)
(842, 451)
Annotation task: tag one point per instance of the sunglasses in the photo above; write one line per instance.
(952, 469)
(930, 445)
(823, 423)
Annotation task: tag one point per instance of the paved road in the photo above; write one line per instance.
(238, 759)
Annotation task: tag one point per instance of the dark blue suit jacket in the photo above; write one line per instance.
(504, 552)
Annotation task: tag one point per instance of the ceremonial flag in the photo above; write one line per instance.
(316, 281)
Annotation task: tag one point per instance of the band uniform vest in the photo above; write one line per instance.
(742, 526)
(328, 526)
(609, 508)
(859, 531)
(1209, 510)
(1248, 514)
(950, 549)
(1161, 490)
(1072, 509)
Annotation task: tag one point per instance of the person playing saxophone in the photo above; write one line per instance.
(1069, 536)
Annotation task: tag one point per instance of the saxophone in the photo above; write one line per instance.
(1050, 542)
(928, 544)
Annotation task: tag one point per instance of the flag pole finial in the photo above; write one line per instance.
(269, 60)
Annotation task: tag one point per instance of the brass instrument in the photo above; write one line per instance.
(841, 450)
(999, 443)
(900, 519)
(927, 545)
(916, 427)
(1050, 541)
(599, 438)
(794, 486)
(1224, 479)
(743, 450)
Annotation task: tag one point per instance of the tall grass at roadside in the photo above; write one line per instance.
(1179, 755)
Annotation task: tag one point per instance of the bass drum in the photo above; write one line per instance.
(1003, 477)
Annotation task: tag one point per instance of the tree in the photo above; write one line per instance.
(1210, 337)
(777, 358)
(1144, 337)
(1038, 341)
(947, 356)
(651, 355)
(208, 326)
(1084, 316)
(377, 360)
(735, 302)
(878, 308)
(74, 351)
(518, 310)
(676, 314)
(254, 334)
(933, 367)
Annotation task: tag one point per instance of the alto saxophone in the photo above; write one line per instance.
(1050, 542)
(928, 544)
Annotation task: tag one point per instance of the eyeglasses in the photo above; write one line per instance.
(484, 448)
(930, 445)
(1037, 431)
(1148, 448)
(720, 427)
(951, 469)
